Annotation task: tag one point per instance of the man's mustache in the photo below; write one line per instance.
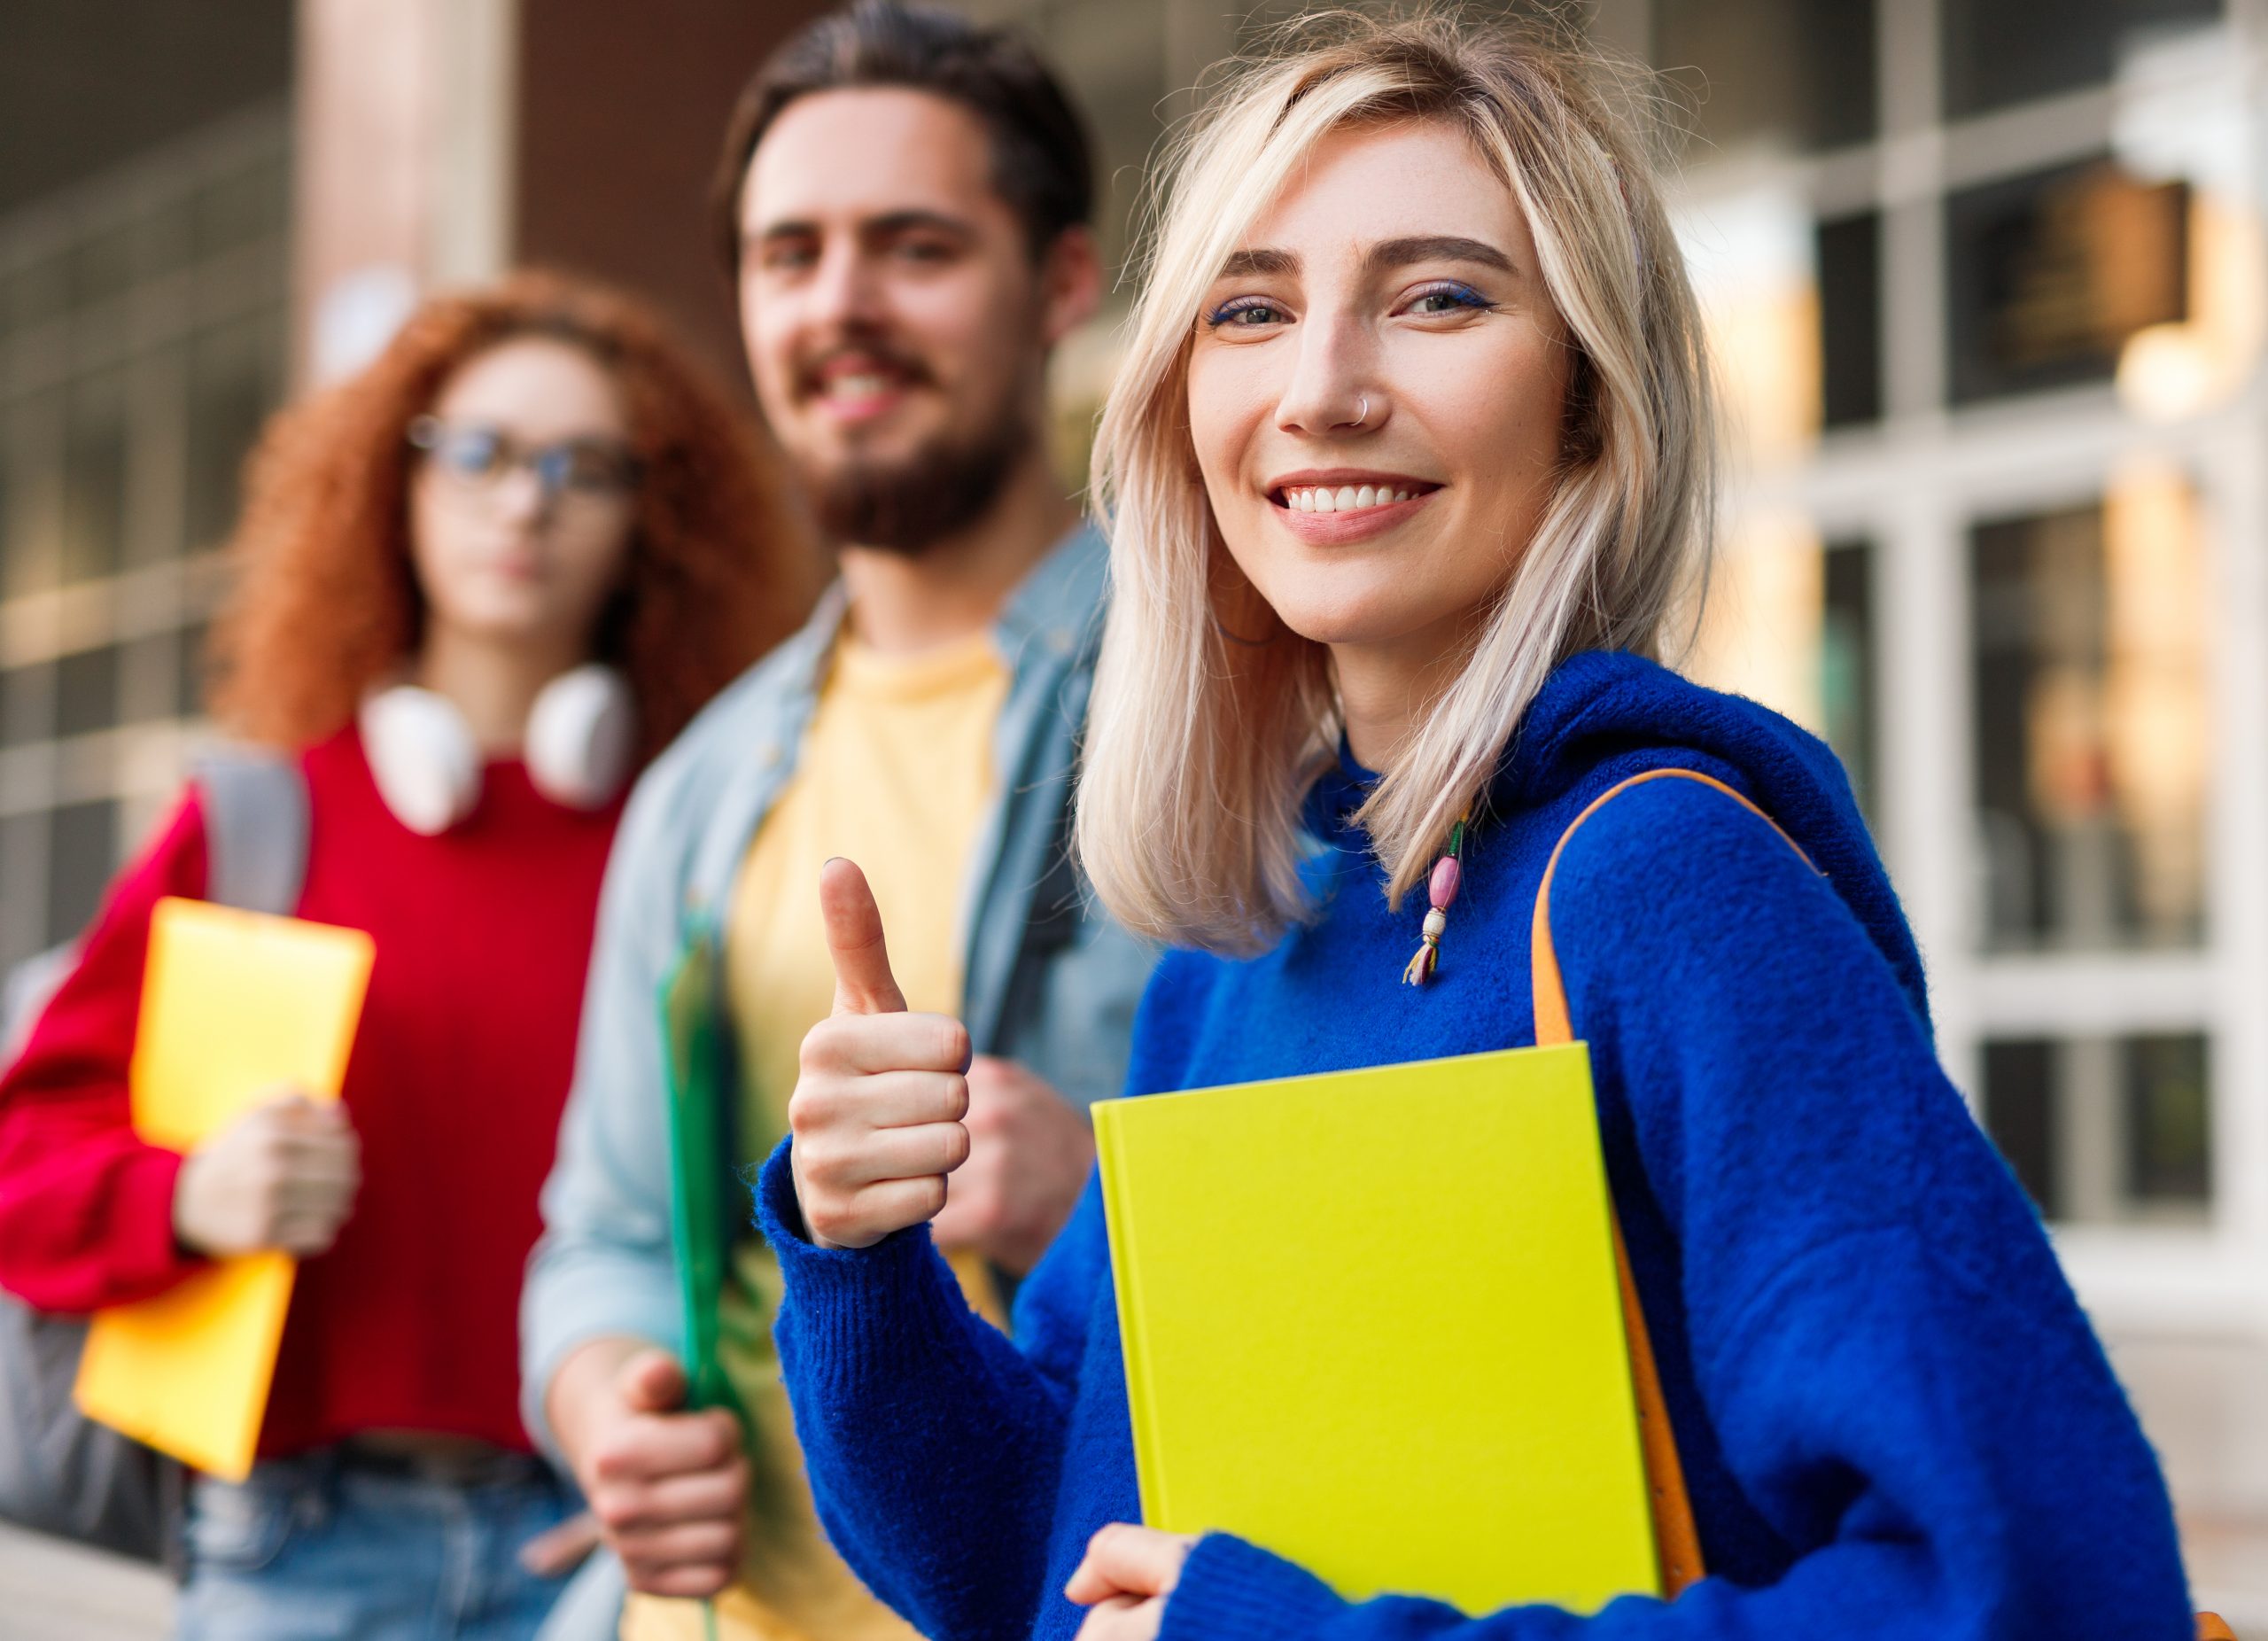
(810, 379)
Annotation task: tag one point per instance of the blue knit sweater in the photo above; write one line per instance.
(1894, 1419)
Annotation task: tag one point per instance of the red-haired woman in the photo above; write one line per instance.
(481, 583)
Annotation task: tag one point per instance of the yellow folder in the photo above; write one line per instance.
(232, 1003)
(1371, 1323)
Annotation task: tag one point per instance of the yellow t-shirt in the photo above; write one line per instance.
(897, 773)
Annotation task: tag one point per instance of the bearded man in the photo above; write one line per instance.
(905, 201)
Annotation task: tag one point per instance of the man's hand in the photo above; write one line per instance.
(1127, 1575)
(668, 1486)
(1030, 1152)
(877, 1110)
(282, 1176)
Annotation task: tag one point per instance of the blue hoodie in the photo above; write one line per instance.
(1895, 1421)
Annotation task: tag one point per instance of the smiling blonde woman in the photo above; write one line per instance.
(1407, 470)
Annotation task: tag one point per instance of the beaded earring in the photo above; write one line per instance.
(1441, 894)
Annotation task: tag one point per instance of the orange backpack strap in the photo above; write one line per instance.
(1675, 1542)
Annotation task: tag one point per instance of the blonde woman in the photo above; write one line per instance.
(1408, 468)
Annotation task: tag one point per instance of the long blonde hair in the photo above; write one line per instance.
(1201, 746)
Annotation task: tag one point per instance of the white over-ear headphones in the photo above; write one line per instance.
(581, 734)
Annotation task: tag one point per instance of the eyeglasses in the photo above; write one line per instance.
(480, 457)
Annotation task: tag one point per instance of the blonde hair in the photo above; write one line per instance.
(1200, 747)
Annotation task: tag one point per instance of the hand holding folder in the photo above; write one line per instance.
(233, 1003)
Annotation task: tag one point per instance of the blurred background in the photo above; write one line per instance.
(1988, 283)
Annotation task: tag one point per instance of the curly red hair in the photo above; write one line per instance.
(720, 567)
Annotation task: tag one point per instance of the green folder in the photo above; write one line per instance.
(698, 1059)
(702, 1166)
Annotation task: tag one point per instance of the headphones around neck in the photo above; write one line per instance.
(580, 736)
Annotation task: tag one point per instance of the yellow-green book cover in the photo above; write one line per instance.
(233, 1003)
(1371, 1323)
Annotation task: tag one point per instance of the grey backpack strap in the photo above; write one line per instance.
(59, 1471)
(255, 828)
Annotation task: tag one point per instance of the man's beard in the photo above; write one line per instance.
(910, 505)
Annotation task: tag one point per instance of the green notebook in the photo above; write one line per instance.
(1372, 1322)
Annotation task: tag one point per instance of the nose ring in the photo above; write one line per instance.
(1365, 415)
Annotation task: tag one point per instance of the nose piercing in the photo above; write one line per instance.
(1365, 415)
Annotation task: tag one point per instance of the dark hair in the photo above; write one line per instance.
(1042, 163)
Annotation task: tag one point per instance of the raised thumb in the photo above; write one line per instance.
(652, 1382)
(863, 982)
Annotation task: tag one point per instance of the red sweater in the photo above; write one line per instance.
(459, 1071)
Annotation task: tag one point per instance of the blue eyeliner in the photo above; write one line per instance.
(1234, 305)
(1463, 295)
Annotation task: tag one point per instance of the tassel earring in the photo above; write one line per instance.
(1441, 893)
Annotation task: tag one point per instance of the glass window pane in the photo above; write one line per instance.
(2092, 731)
(241, 207)
(36, 293)
(1850, 319)
(2001, 51)
(23, 878)
(234, 383)
(1846, 663)
(1797, 72)
(29, 432)
(27, 704)
(2168, 1138)
(103, 265)
(2049, 274)
(94, 484)
(2105, 1130)
(82, 853)
(2019, 1112)
(86, 691)
(190, 679)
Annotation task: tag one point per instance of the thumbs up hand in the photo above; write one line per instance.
(876, 1114)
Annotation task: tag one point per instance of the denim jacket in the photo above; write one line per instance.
(1051, 982)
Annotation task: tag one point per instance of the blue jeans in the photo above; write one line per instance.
(325, 1546)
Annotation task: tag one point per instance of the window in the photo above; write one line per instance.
(2105, 1128)
(190, 663)
(36, 292)
(1846, 663)
(1849, 251)
(27, 704)
(142, 337)
(1797, 72)
(235, 379)
(82, 854)
(2092, 729)
(241, 206)
(86, 691)
(1997, 52)
(2049, 273)
(94, 484)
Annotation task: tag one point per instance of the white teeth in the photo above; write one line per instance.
(1345, 499)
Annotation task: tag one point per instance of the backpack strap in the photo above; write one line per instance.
(256, 828)
(1676, 1543)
